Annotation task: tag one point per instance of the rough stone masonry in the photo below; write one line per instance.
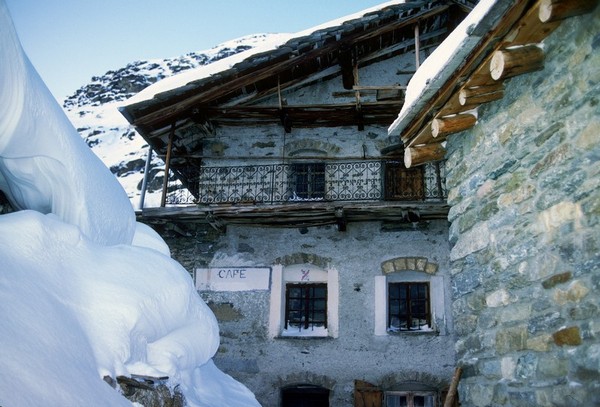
(524, 190)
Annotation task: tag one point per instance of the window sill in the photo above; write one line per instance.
(303, 337)
(401, 333)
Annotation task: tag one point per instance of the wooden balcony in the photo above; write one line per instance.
(306, 194)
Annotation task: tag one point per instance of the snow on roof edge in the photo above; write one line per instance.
(432, 74)
(182, 79)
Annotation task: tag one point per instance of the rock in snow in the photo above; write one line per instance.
(84, 291)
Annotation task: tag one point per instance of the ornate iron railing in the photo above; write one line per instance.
(309, 182)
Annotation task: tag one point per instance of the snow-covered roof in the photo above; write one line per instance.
(442, 90)
(238, 90)
(273, 42)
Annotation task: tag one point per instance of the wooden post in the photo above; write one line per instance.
(554, 10)
(449, 402)
(417, 48)
(516, 61)
(481, 94)
(145, 179)
(418, 155)
(163, 199)
(452, 124)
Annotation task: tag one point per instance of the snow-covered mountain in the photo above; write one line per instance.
(93, 111)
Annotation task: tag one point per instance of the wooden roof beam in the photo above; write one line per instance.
(166, 113)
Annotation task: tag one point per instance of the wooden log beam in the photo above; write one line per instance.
(555, 10)
(481, 94)
(418, 155)
(481, 76)
(452, 124)
(511, 62)
(529, 30)
(453, 106)
(424, 137)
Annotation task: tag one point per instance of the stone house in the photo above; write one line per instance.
(523, 193)
(319, 234)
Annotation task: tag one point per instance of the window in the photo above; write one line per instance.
(410, 399)
(403, 184)
(408, 300)
(308, 181)
(304, 301)
(305, 309)
(408, 307)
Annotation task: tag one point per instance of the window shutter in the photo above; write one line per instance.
(367, 394)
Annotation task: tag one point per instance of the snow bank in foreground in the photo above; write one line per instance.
(86, 292)
(74, 311)
(44, 164)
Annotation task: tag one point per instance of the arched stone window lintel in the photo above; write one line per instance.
(400, 264)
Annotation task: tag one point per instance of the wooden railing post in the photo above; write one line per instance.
(163, 199)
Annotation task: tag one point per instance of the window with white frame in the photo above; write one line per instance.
(410, 399)
(304, 301)
(409, 302)
(408, 307)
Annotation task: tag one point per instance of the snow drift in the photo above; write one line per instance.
(86, 292)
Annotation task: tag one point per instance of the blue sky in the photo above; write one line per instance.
(69, 41)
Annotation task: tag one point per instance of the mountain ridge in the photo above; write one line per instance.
(93, 110)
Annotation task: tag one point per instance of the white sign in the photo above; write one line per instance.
(233, 278)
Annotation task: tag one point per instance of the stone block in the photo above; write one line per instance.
(497, 298)
(421, 263)
(511, 339)
(388, 267)
(556, 279)
(508, 366)
(519, 195)
(550, 220)
(459, 208)
(588, 137)
(431, 268)
(411, 263)
(544, 322)
(400, 264)
(526, 366)
(552, 366)
(567, 336)
(554, 159)
(540, 343)
(481, 396)
(472, 241)
(466, 282)
(576, 291)
(490, 368)
(515, 312)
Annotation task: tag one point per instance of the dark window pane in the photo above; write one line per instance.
(306, 305)
(408, 306)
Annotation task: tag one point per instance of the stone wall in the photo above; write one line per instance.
(524, 186)
(363, 253)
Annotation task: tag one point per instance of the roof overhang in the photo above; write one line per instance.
(475, 71)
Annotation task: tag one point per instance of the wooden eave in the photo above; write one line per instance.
(362, 41)
(305, 214)
(520, 29)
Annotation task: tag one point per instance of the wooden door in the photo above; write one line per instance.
(403, 184)
(367, 395)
